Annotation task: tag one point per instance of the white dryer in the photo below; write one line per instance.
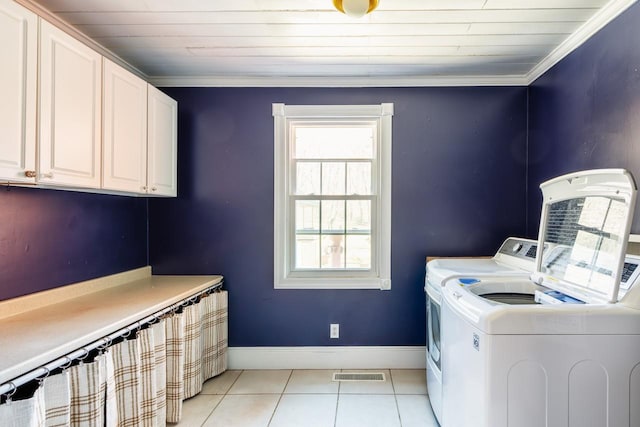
(515, 258)
(561, 348)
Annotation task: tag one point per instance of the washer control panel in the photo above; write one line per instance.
(519, 248)
(630, 272)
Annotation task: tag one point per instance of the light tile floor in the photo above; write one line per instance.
(310, 398)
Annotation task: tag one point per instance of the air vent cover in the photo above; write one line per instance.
(359, 376)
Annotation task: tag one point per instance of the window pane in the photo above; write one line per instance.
(333, 251)
(333, 216)
(307, 178)
(359, 215)
(359, 178)
(334, 142)
(307, 216)
(307, 251)
(358, 252)
(333, 178)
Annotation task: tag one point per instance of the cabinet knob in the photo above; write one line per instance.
(144, 188)
(46, 175)
(153, 188)
(30, 174)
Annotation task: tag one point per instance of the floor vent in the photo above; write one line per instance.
(355, 376)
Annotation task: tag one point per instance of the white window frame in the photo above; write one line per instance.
(379, 277)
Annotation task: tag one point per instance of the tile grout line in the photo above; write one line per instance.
(335, 415)
(221, 399)
(338, 399)
(395, 398)
(280, 398)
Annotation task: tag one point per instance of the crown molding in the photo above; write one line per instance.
(605, 15)
(73, 32)
(336, 82)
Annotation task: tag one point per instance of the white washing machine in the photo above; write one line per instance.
(561, 348)
(515, 258)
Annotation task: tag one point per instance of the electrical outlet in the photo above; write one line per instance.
(334, 330)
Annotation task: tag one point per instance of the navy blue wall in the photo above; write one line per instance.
(460, 160)
(53, 238)
(585, 112)
(458, 179)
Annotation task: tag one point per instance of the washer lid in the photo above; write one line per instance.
(586, 216)
(440, 269)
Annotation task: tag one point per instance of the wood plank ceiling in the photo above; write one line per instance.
(500, 41)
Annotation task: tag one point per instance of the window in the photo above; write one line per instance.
(332, 196)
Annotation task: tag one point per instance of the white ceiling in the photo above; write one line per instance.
(307, 42)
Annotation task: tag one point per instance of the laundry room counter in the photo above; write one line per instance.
(38, 328)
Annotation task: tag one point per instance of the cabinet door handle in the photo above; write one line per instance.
(47, 175)
(30, 174)
(153, 188)
(144, 188)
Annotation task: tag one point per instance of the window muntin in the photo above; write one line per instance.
(332, 196)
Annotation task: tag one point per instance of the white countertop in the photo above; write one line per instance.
(32, 338)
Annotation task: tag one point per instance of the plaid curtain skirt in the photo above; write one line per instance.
(24, 413)
(141, 381)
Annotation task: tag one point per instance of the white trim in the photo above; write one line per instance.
(605, 15)
(388, 357)
(379, 277)
(384, 185)
(330, 81)
(332, 111)
(634, 238)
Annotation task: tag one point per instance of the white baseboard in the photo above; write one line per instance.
(392, 357)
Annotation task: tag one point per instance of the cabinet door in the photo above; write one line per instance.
(162, 144)
(70, 110)
(19, 47)
(124, 140)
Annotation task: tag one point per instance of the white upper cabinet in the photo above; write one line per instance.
(162, 144)
(70, 110)
(19, 47)
(124, 141)
(72, 119)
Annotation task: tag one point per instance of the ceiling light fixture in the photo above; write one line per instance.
(355, 8)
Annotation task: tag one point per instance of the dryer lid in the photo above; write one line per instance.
(586, 216)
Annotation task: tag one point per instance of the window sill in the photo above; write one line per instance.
(333, 283)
